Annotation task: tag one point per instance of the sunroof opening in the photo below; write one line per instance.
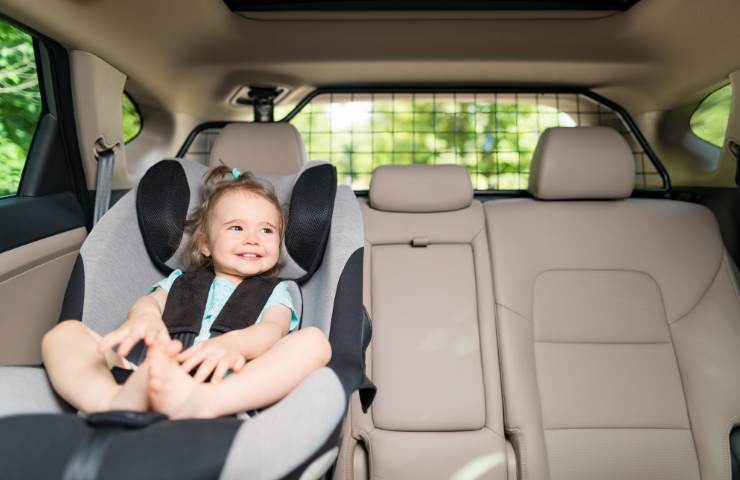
(432, 6)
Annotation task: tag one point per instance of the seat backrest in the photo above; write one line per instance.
(618, 321)
(433, 355)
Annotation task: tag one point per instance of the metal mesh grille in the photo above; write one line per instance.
(492, 134)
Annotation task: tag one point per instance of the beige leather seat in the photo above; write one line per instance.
(433, 357)
(618, 321)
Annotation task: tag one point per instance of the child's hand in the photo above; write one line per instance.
(131, 332)
(216, 355)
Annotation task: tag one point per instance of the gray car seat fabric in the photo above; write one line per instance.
(284, 439)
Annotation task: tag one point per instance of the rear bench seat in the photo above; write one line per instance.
(618, 321)
(433, 356)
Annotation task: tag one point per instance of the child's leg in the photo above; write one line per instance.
(262, 382)
(81, 374)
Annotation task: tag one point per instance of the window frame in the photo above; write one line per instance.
(449, 89)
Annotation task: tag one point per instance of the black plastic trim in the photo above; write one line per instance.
(467, 89)
(74, 295)
(416, 5)
(191, 136)
(27, 219)
(348, 332)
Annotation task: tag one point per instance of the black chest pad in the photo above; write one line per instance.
(186, 303)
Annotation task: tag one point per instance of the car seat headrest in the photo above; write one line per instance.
(262, 148)
(420, 188)
(165, 192)
(572, 163)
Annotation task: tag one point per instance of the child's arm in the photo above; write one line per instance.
(144, 322)
(231, 350)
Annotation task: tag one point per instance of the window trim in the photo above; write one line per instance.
(450, 89)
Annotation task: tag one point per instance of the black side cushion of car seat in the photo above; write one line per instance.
(162, 207)
(309, 220)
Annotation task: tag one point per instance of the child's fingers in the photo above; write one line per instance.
(112, 339)
(194, 360)
(239, 363)
(173, 347)
(221, 369)
(190, 352)
(131, 339)
(152, 336)
(206, 368)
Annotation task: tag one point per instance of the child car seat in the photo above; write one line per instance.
(136, 243)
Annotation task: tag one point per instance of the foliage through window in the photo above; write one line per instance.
(709, 120)
(131, 119)
(20, 104)
(493, 134)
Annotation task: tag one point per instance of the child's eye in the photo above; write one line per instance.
(235, 228)
(266, 230)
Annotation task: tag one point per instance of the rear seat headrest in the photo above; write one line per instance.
(262, 148)
(581, 163)
(420, 188)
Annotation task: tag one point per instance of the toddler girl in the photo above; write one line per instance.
(236, 238)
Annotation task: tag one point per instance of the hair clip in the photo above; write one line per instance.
(235, 173)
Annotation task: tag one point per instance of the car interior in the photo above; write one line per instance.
(517, 222)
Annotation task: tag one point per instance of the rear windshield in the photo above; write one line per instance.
(492, 134)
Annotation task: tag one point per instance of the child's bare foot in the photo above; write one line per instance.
(172, 391)
(132, 395)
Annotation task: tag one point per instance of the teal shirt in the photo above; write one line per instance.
(219, 293)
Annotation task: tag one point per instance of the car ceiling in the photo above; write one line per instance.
(191, 57)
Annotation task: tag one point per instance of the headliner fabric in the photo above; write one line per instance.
(581, 163)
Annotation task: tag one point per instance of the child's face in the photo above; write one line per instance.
(243, 238)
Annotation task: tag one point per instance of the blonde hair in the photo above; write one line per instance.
(217, 182)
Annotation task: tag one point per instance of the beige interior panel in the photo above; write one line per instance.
(97, 90)
(33, 279)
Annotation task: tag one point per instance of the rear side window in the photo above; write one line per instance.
(709, 120)
(20, 104)
(131, 119)
(492, 134)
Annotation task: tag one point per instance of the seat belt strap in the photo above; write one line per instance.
(104, 182)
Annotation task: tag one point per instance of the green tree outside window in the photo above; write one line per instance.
(20, 104)
(709, 121)
(131, 119)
